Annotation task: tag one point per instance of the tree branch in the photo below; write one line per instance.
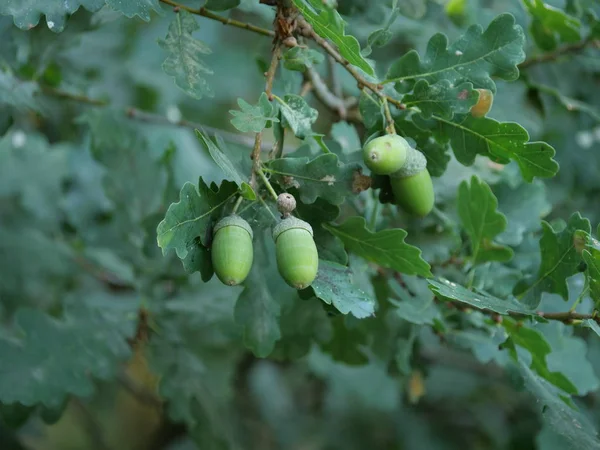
(560, 51)
(324, 95)
(225, 21)
(362, 81)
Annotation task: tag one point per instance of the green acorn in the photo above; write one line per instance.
(297, 256)
(386, 154)
(412, 186)
(484, 104)
(231, 252)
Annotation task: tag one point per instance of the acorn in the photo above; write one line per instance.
(297, 256)
(484, 104)
(412, 185)
(386, 154)
(232, 252)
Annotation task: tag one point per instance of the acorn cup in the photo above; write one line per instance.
(232, 253)
(296, 252)
(412, 185)
(484, 104)
(386, 154)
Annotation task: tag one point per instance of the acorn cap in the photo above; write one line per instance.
(288, 224)
(233, 221)
(415, 163)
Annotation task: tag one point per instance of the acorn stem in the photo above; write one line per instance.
(265, 181)
(390, 128)
(238, 202)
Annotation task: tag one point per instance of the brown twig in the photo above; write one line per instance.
(324, 95)
(255, 159)
(225, 21)
(272, 70)
(362, 81)
(560, 51)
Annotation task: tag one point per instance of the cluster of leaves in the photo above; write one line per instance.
(488, 302)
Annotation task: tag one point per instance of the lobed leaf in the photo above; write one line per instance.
(40, 367)
(385, 248)
(476, 57)
(191, 216)
(297, 115)
(478, 212)
(253, 117)
(26, 13)
(334, 285)
(132, 8)
(500, 141)
(560, 259)
(226, 165)
(328, 24)
(184, 63)
(325, 177)
(537, 346)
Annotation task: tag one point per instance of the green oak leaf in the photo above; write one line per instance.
(226, 165)
(537, 346)
(478, 212)
(184, 63)
(27, 156)
(301, 58)
(418, 305)
(500, 141)
(334, 285)
(26, 13)
(449, 290)
(325, 177)
(328, 24)
(524, 207)
(484, 343)
(371, 110)
(476, 57)
(42, 367)
(253, 117)
(385, 248)
(297, 115)
(442, 99)
(557, 411)
(560, 260)
(192, 215)
(550, 25)
(131, 8)
(569, 356)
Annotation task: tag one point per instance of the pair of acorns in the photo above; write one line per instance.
(296, 253)
(407, 168)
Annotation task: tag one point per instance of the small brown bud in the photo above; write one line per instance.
(290, 41)
(176, 9)
(286, 203)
